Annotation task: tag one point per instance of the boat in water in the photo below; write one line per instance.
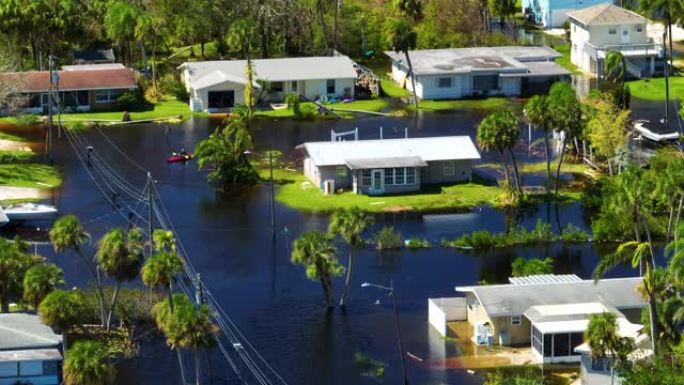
(179, 157)
(26, 212)
(655, 131)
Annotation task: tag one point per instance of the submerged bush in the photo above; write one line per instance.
(417, 243)
(573, 233)
(525, 267)
(388, 238)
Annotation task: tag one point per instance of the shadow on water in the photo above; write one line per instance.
(230, 242)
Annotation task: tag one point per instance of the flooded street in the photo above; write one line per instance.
(229, 241)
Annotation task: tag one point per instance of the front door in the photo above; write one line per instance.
(378, 187)
(624, 34)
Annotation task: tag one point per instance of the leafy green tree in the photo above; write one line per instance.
(224, 152)
(614, 67)
(536, 266)
(67, 233)
(186, 327)
(120, 24)
(14, 263)
(120, 255)
(537, 114)
(349, 225)
(402, 38)
(315, 251)
(62, 309)
(606, 131)
(602, 336)
(499, 131)
(88, 363)
(240, 35)
(566, 117)
(39, 281)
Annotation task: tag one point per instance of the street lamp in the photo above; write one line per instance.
(270, 166)
(392, 292)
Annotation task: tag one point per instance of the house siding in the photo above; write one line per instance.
(553, 13)
(589, 376)
(330, 173)
(388, 189)
(434, 172)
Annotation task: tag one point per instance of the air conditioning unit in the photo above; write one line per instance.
(329, 186)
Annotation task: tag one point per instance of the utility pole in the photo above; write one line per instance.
(49, 133)
(270, 165)
(399, 340)
(199, 293)
(150, 209)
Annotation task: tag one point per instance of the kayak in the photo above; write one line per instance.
(178, 158)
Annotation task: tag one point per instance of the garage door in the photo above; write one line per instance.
(221, 99)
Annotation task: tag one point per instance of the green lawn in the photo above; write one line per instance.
(654, 88)
(540, 167)
(372, 105)
(20, 120)
(167, 109)
(493, 103)
(297, 192)
(12, 156)
(29, 175)
(10, 137)
(564, 61)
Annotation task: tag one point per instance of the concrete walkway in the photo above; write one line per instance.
(11, 192)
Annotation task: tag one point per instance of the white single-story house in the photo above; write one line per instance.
(389, 166)
(454, 73)
(597, 30)
(219, 85)
(29, 351)
(549, 313)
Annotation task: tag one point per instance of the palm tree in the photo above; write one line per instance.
(637, 254)
(62, 310)
(605, 342)
(537, 114)
(402, 38)
(565, 112)
(316, 252)
(499, 131)
(120, 255)
(40, 280)
(187, 327)
(88, 363)
(14, 262)
(614, 67)
(164, 240)
(349, 225)
(67, 233)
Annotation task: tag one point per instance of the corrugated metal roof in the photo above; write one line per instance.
(606, 13)
(283, 69)
(30, 355)
(428, 149)
(544, 278)
(26, 331)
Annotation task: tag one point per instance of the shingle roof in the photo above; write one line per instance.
(427, 149)
(25, 331)
(38, 81)
(208, 73)
(515, 299)
(606, 13)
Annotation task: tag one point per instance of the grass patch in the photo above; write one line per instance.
(297, 192)
(540, 167)
(21, 120)
(10, 137)
(564, 61)
(169, 108)
(372, 105)
(493, 103)
(16, 156)
(29, 175)
(654, 88)
(8, 202)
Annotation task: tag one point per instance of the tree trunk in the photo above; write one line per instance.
(179, 355)
(197, 367)
(647, 228)
(667, 80)
(505, 168)
(115, 297)
(655, 330)
(327, 291)
(154, 63)
(518, 181)
(263, 31)
(560, 162)
(670, 219)
(319, 8)
(548, 162)
(202, 49)
(142, 52)
(413, 78)
(335, 30)
(347, 282)
(101, 300)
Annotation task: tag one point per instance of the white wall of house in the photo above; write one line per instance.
(443, 310)
(591, 376)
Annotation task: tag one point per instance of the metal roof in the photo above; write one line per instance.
(427, 149)
(540, 69)
(93, 67)
(507, 59)
(30, 355)
(209, 73)
(21, 331)
(567, 312)
(397, 161)
(510, 299)
(607, 14)
(544, 278)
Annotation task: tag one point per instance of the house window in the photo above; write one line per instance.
(516, 320)
(411, 175)
(444, 82)
(365, 177)
(330, 86)
(293, 86)
(50, 368)
(638, 28)
(277, 87)
(448, 168)
(389, 176)
(612, 31)
(625, 32)
(341, 171)
(399, 175)
(107, 96)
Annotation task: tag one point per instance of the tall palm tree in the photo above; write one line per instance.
(537, 114)
(88, 363)
(316, 253)
(565, 111)
(402, 38)
(40, 280)
(614, 67)
(605, 342)
(349, 225)
(67, 233)
(120, 255)
(187, 327)
(637, 254)
(164, 240)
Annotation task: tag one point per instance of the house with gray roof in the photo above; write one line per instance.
(388, 166)
(219, 85)
(454, 73)
(29, 351)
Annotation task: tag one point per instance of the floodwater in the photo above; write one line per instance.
(229, 240)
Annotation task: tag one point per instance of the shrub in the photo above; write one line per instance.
(388, 238)
(169, 85)
(127, 100)
(153, 94)
(27, 120)
(573, 233)
(417, 243)
(15, 156)
(525, 267)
